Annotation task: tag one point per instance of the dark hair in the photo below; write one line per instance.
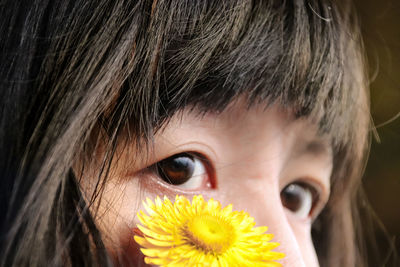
(69, 67)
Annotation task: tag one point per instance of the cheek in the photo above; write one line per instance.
(115, 217)
(128, 251)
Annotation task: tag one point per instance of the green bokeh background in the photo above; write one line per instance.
(380, 22)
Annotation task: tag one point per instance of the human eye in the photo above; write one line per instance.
(188, 170)
(301, 199)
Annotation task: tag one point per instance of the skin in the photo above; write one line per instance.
(252, 155)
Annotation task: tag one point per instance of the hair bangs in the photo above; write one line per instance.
(288, 52)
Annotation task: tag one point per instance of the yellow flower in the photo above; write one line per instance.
(202, 234)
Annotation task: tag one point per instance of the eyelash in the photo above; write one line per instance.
(304, 195)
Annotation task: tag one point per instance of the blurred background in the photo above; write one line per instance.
(380, 22)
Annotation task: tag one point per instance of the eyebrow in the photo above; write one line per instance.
(315, 147)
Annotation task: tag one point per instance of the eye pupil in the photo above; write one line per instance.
(292, 197)
(177, 169)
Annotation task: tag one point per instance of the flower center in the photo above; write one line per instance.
(209, 233)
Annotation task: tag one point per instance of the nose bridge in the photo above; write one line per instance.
(269, 212)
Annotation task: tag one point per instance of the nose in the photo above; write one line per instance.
(264, 204)
(279, 225)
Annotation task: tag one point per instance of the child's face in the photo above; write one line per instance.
(262, 161)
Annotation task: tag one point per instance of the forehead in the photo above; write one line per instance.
(241, 125)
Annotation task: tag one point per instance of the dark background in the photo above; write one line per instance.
(380, 22)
